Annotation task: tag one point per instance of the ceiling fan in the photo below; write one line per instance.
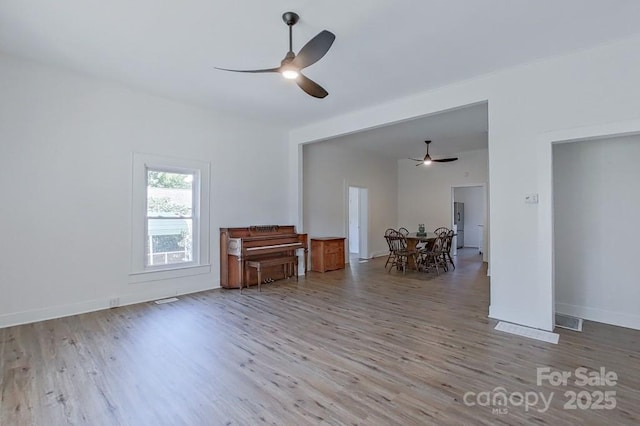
(428, 160)
(292, 64)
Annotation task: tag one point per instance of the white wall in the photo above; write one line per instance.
(329, 168)
(66, 144)
(587, 89)
(424, 193)
(596, 211)
(474, 200)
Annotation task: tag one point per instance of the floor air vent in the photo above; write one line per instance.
(570, 323)
(163, 301)
(532, 333)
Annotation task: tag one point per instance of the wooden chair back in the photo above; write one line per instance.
(449, 241)
(397, 242)
(438, 244)
(441, 230)
(389, 232)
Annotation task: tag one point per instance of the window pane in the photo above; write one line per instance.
(169, 241)
(169, 194)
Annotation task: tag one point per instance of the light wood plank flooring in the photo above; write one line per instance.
(358, 346)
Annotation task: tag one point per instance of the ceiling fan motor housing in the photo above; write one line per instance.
(290, 56)
(290, 18)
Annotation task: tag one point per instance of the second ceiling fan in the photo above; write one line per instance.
(428, 160)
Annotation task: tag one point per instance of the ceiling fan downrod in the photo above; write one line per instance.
(290, 18)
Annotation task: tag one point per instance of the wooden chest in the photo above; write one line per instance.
(327, 254)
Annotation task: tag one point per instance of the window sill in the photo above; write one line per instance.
(166, 274)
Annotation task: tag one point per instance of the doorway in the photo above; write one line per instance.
(469, 213)
(357, 222)
(595, 209)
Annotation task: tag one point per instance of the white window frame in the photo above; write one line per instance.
(200, 263)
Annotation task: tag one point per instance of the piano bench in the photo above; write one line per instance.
(287, 262)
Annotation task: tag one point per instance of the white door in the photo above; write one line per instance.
(363, 223)
(354, 220)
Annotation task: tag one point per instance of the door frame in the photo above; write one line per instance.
(546, 233)
(485, 218)
(363, 210)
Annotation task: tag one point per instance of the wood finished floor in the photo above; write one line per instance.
(358, 346)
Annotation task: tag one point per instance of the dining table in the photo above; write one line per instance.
(413, 239)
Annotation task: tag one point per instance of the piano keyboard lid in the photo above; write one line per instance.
(274, 246)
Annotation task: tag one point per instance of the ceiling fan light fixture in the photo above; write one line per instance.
(427, 160)
(290, 73)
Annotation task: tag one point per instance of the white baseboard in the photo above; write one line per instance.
(600, 315)
(35, 315)
(378, 254)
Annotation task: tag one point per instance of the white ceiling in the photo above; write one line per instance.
(451, 133)
(384, 49)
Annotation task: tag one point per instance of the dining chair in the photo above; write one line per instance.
(398, 245)
(446, 249)
(431, 257)
(392, 254)
(403, 231)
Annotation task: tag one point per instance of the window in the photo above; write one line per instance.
(170, 223)
(170, 232)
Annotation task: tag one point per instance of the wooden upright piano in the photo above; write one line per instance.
(239, 245)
